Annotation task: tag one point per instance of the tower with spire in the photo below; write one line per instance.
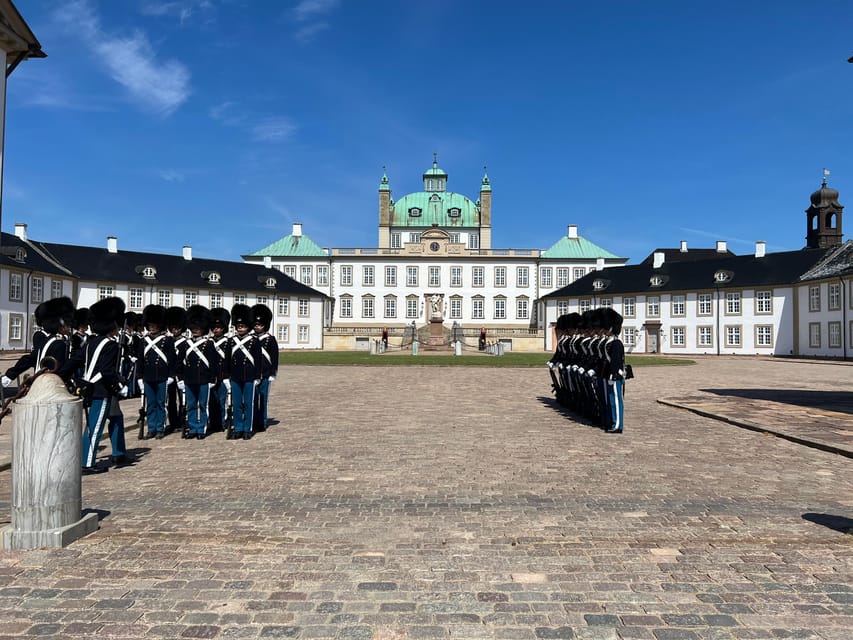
(823, 218)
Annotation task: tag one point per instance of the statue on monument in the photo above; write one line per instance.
(435, 305)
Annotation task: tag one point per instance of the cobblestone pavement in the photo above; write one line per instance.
(426, 502)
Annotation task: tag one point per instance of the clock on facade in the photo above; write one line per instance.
(433, 246)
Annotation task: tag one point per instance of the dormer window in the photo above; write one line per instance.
(270, 283)
(415, 212)
(599, 284)
(212, 277)
(658, 281)
(147, 271)
(20, 254)
(723, 276)
(454, 212)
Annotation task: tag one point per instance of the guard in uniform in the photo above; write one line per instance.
(218, 412)
(156, 360)
(55, 318)
(197, 372)
(176, 324)
(262, 317)
(615, 371)
(245, 368)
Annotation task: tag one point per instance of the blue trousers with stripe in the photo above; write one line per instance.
(95, 422)
(615, 395)
(155, 406)
(262, 403)
(242, 405)
(197, 395)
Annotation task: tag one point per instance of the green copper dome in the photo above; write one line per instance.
(423, 209)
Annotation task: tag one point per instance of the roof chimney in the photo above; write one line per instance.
(21, 230)
(188, 253)
(268, 262)
(297, 230)
(721, 246)
(599, 264)
(573, 231)
(683, 246)
(760, 249)
(657, 259)
(112, 244)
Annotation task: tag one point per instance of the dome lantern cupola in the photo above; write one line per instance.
(824, 218)
(435, 179)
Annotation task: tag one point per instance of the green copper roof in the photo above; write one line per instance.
(301, 246)
(578, 247)
(434, 209)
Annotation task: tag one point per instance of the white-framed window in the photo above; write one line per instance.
(304, 307)
(545, 274)
(732, 303)
(164, 297)
(239, 298)
(629, 307)
(500, 276)
(562, 307)
(522, 308)
(705, 336)
(346, 307)
(606, 303)
(346, 275)
(763, 302)
(435, 276)
(290, 271)
(283, 333)
(367, 307)
(522, 277)
(677, 336)
(814, 335)
(411, 276)
(814, 298)
(764, 335)
(390, 276)
(396, 240)
(16, 327)
(191, 298)
(733, 335)
(55, 288)
(455, 308)
(367, 273)
(455, 276)
(322, 275)
(584, 305)
(414, 237)
(478, 276)
(283, 305)
(563, 276)
(135, 297)
(454, 237)
(629, 336)
(578, 273)
(390, 307)
(500, 308)
(302, 334)
(37, 289)
(833, 332)
(215, 300)
(306, 275)
(653, 307)
(477, 308)
(411, 307)
(264, 300)
(833, 297)
(107, 291)
(679, 306)
(473, 241)
(704, 304)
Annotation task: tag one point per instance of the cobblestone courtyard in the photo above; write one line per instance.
(427, 502)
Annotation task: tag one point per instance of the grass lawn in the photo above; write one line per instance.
(445, 360)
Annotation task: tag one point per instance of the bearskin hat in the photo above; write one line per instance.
(262, 313)
(241, 314)
(199, 316)
(154, 314)
(612, 321)
(176, 317)
(220, 317)
(573, 321)
(106, 315)
(81, 317)
(562, 322)
(53, 314)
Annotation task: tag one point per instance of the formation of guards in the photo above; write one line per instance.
(191, 374)
(588, 369)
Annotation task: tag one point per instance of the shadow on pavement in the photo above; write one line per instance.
(841, 401)
(839, 523)
(102, 513)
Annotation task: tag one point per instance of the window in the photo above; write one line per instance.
(454, 212)
(456, 308)
(367, 275)
(629, 336)
(477, 308)
(390, 307)
(677, 336)
(346, 275)
(578, 273)
(454, 238)
(500, 276)
(290, 270)
(545, 274)
(414, 212)
(302, 334)
(732, 335)
(37, 289)
(473, 241)
(16, 327)
(414, 237)
(814, 298)
(705, 336)
(191, 298)
(263, 300)
(478, 276)
(239, 298)
(322, 276)
(55, 288)
(606, 303)
(679, 308)
(164, 297)
(135, 298)
(732, 303)
(562, 276)
(833, 297)
(411, 276)
(522, 308)
(435, 276)
(304, 307)
(411, 307)
(390, 276)
(814, 335)
(704, 304)
(629, 307)
(763, 302)
(283, 306)
(283, 333)
(307, 275)
(522, 277)
(764, 335)
(367, 307)
(653, 307)
(500, 308)
(584, 305)
(396, 241)
(215, 300)
(455, 276)
(346, 307)
(107, 291)
(834, 334)
(562, 307)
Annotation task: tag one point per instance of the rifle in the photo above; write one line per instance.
(185, 424)
(229, 417)
(141, 419)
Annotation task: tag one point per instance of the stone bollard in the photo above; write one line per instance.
(414, 347)
(458, 344)
(373, 347)
(46, 469)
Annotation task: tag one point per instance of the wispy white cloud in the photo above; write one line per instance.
(275, 129)
(181, 9)
(716, 236)
(310, 15)
(171, 175)
(131, 61)
(265, 129)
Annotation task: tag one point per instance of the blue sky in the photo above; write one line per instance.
(219, 123)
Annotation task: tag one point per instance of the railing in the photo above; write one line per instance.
(348, 251)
